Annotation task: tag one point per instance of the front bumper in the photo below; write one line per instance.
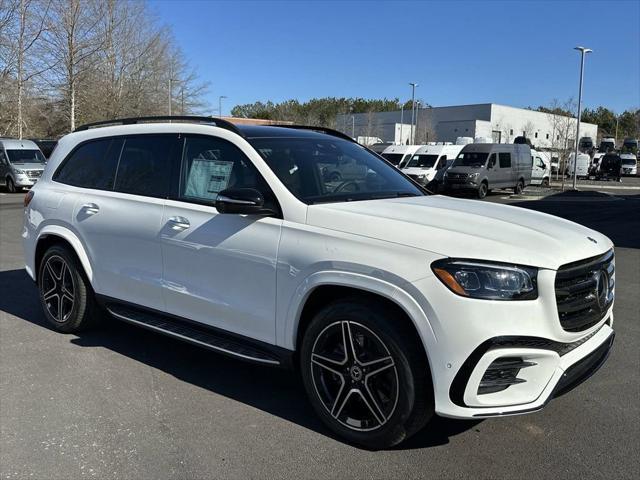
(25, 181)
(470, 335)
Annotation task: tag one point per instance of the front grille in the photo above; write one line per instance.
(34, 173)
(585, 291)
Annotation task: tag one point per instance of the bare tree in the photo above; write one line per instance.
(528, 129)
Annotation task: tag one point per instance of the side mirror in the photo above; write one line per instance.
(240, 201)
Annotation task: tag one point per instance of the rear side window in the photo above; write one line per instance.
(505, 159)
(145, 165)
(92, 165)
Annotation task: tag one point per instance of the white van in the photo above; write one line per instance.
(399, 154)
(583, 164)
(541, 169)
(428, 160)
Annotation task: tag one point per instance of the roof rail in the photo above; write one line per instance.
(325, 130)
(218, 122)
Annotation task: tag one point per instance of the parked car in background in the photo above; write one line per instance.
(46, 146)
(629, 164)
(377, 147)
(393, 305)
(428, 160)
(607, 144)
(21, 164)
(541, 169)
(630, 145)
(480, 167)
(398, 155)
(610, 167)
(586, 144)
(582, 166)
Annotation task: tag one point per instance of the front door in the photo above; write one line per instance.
(219, 269)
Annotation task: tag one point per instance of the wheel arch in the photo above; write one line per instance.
(327, 286)
(57, 235)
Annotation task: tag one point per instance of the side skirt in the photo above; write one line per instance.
(211, 338)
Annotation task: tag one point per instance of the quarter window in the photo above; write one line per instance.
(145, 165)
(92, 165)
(505, 159)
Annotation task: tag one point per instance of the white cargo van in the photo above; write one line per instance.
(428, 160)
(583, 164)
(399, 154)
(541, 169)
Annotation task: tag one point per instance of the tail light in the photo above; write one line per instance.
(28, 197)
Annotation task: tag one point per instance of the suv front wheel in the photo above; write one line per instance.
(365, 373)
(65, 293)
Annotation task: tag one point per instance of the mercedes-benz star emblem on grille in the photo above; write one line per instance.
(601, 289)
(592, 240)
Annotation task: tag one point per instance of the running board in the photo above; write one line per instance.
(195, 334)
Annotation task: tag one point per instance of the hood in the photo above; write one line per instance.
(428, 172)
(465, 229)
(28, 166)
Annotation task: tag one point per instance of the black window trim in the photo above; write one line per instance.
(177, 176)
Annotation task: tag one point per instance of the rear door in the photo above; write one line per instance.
(219, 269)
(122, 184)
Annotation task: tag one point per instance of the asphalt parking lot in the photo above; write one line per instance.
(122, 402)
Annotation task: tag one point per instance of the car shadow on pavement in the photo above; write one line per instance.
(275, 391)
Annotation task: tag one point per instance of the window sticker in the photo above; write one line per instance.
(207, 178)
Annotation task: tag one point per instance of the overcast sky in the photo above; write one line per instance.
(514, 53)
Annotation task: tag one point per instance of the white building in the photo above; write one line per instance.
(444, 124)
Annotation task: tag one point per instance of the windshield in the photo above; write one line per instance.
(25, 156)
(332, 170)
(628, 161)
(393, 158)
(424, 161)
(471, 159)
(606, 146)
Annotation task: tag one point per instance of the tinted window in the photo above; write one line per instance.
(210, 165)
(393, 158)
(25, 156)
(145, 165)
(505, 159)
(471, 159)
(424, 161)
(92, 165)
(320, 170)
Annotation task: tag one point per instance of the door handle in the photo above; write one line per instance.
(90, 208)
(179, 223)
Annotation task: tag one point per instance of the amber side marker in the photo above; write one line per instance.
(450, 282)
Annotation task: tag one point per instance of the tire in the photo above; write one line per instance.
(335, 177)
(483, 189)
(519, 187)
(545, 182)
(406, 402)
(65, 293)
(11, 187)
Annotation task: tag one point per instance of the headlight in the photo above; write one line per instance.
(20, 172)
(422, 177)
(474, 279)
(473, 175)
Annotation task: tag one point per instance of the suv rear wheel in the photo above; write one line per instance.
(11, 187)
(368, 381)
(65, 293)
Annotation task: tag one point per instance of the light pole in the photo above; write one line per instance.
(413, 109)
(401, 122)
(353, 127)
(220, 104)
(583, 51)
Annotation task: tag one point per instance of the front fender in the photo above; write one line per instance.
(398, 295)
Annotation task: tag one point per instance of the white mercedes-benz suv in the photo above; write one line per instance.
(393, 304)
